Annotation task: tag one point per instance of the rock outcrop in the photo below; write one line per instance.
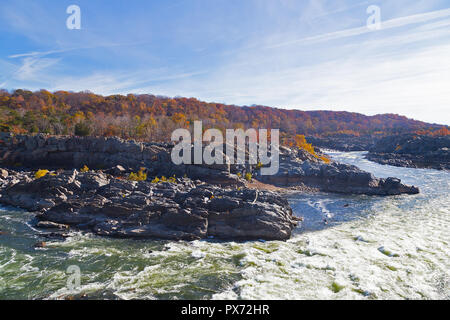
(42, 151)
(121, 156)
(187, 210)
(414, 151)
(299, 167)
(210, 201)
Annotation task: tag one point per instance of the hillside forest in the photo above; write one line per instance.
(148, 117)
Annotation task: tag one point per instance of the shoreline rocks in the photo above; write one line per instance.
(298, 167)
(412, 151)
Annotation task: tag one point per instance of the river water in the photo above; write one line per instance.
(349, 247)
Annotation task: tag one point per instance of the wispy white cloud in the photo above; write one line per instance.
(123, 82)
(406, 72)
(96, 46)
(35, 54)
(31, 67)
(415, 85)
(385, 25)
(345, 8)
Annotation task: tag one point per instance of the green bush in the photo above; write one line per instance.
(82, 129)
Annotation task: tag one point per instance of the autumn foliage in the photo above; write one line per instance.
(153, 118)
(301, 143)
(139, 176)
(437, 133)
(40, 173)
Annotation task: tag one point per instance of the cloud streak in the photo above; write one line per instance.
(385, 25)
(31, 67)
(50, 52)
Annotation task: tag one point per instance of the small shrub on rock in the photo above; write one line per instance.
(40, 173)
(140, 176)
(156, 180)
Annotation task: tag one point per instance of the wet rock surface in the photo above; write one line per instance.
(414, 151)
(183, 210)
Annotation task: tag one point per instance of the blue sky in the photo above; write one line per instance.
(309, 55)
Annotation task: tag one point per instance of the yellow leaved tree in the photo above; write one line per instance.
(301, 142)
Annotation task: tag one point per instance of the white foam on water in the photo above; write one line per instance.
(386, 248)
(335, 264)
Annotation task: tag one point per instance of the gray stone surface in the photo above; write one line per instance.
(412, 151)
(104, 205)
(297, 167)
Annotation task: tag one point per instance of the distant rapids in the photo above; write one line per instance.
(348, 247)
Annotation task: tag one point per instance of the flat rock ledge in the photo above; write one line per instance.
(184, 210)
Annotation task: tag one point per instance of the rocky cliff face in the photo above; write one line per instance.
(105, 205)
(412, 151)
(55, 152)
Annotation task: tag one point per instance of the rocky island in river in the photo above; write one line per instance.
(196, 202)
(413, 151)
